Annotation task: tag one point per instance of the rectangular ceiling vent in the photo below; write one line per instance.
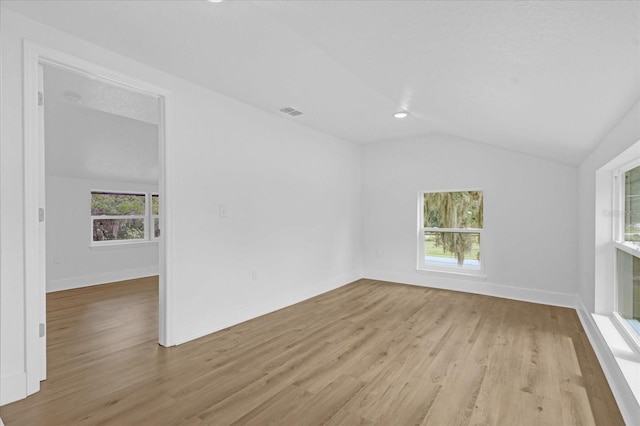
(291, 111)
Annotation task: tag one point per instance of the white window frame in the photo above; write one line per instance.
(422, 264)
(619, 243)
(147, 218)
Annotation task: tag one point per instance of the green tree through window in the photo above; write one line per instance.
(122, 216)
(448, 218)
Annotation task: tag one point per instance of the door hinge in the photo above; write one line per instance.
(40, 99)
(41, 329)
(40, 214)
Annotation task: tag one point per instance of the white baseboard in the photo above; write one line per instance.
(623, 394)
(13, 387)
(477, 287)
(224, 319)
(110, 277)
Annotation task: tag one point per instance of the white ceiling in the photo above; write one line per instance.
(544, 78)
(111, 134)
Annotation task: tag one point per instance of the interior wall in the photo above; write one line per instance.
(595, 225)
(290, 197)
(71, 262)
(530, 206)
(12, 309)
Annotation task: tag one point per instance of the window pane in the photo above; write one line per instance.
(155, 205)
(156, 227)
(453, 209)
(632, 205)
(118, 229)
(629, 289)
(456, 249)
(103, 203)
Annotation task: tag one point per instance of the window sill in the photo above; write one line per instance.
(121, 245)
(626, 356)
(452, 274)
(629, 248)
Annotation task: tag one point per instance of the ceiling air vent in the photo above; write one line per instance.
(291, 111)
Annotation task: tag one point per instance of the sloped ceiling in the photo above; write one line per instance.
(543, 78)
(97, 130)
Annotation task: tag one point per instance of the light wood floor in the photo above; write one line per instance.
(368, 353)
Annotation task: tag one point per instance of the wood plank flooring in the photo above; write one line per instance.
(368, 353)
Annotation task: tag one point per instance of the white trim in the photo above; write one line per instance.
(166, 190)
(627, 403)
(13, 387)
(626, 331)
(473, 286)
(434, 191)
(109, 277)
(628, 248)
(42, 231)
(118, 192)
(33, 55)
(122, 244)
(452, 273)
(32, 292)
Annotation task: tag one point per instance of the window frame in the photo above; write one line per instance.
(423, 266)
(147, 219)
(620, 244)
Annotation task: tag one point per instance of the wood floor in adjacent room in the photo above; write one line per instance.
(368, 353)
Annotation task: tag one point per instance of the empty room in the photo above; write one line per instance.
(319, 212)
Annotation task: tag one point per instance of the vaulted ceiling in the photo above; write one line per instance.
(547, 78)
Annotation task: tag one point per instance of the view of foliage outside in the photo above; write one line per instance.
(117, 216)
(155, 205)
(450, 211)
(155, 212)
(632, 205)
(629, 293)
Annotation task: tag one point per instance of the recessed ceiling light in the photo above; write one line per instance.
(215, 1)
(401, 114)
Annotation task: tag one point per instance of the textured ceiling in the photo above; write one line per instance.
(86, 91)
(544, 78)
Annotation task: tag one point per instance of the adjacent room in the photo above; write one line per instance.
(319, 212)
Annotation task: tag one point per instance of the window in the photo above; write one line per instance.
(451, 231)
(627, 300)
(155, 215)
(124, 217)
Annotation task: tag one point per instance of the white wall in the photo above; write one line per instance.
(530, 206)
(71, 262)
(293, 195)
(595, 230)
(293, 230)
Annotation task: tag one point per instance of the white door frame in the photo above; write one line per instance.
(35, 287)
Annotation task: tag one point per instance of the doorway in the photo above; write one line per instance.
(93, 148)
